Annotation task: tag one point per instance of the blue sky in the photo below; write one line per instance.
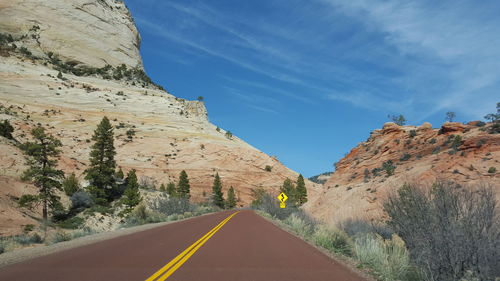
(307, 81)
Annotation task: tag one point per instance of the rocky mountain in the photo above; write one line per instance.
(66, 64)
(321, 178)
(465, 153)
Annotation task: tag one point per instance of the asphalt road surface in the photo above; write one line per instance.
(229, 245)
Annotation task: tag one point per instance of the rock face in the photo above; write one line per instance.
(92, 32)
(171, 134)
(358, 187)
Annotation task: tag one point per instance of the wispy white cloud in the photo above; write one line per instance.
(254, 101)
(462, 36)
(415, 57)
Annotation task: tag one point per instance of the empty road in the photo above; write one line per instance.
(226, 246)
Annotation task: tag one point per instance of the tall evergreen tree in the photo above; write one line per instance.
(217, 195)
(231, 198)
(289, 189)
(100, 173)
(301, 191)
(183, 188)
(171, 189)
(131, 196)
(42, 172)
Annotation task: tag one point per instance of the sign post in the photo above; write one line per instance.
(282, 197)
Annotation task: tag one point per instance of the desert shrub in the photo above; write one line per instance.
(81, 200)
(389, 168)
(405, 157)
(28, 228)
(60, 236)
(333, 240)
(6, 129)
(25, 51)
(170, 206)
(269, 204)
(130, 134)
(268, 168)
(436, 150)
(82, 232)
(413, 133)
(147, 183)
(141, 215)
(70, 184)
(359, 227)
(389, 259)
(71, 223)
(492, 170)
(36, 238)
(25, 239)
(301, 224)
(448, 229)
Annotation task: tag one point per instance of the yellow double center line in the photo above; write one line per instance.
(177, 262)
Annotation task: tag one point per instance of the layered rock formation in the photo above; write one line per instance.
(95, 33)
(467, 154)
(171, 134)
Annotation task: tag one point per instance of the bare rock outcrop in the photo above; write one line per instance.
(90, 32)
(466, 154)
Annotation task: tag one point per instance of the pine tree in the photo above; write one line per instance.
(289, 189)
(301, 191)
(100, 174)
(183, 188)
(217, 195)
(119, 174)
(171, 189)
(231, 198)
(6, 129)
(42, 171)
(70, 184)
(131, 196)
(162, 188)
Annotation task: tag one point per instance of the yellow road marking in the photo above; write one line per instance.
(177, 262)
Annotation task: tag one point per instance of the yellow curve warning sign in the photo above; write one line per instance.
(282, 197)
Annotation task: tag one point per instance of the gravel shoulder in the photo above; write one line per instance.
(43, 250)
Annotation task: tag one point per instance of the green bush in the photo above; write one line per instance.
(170, 206)
(71, 184)
(405, 157)
(6, 129)
(492, 170)
(333, 240)
(389, 167)
(81, 200)
(267, 203)
(302, 227)
(71, 223)
(389, 259)
(60, 236)
(28, 228)
(82, 232)
(24, 239)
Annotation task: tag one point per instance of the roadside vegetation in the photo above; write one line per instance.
(108, 192)
(445, 232)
